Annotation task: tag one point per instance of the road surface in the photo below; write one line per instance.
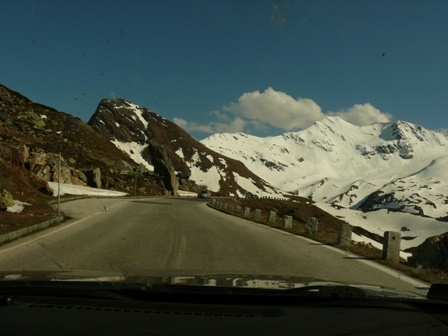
(122, 235)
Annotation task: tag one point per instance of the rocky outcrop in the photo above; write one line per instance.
(163, 166)
(54, 168)
(379, 200)
(6, 199)
(433, 252)
(94, 177)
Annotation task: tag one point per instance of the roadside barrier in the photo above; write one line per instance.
(392, 239)
(25, 231)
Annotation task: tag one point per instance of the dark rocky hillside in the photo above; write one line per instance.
(33, 135)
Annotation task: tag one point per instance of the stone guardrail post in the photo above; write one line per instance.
(246, 212)
(272, 216)
(257, 215)
(391, 245)
(225, 206)
(238, 209)
(312, 225)
(345, 234)
(287, 222)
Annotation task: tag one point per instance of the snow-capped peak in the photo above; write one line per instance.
(329, 158)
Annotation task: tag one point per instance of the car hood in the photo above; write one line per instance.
(189, 278)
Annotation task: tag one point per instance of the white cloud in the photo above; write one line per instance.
(237, 125)
(276, 108)
(257, 111)
(182, 123)
(232, 126)
(220, 116)
(362, 114)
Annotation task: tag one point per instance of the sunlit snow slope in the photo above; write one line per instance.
(395, 165)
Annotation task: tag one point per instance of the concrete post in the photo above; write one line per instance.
(391, 245)
(257, 215)
(345, 234)
(238, 209)
(225, 206)
(287, 222)
(272, 216)
(246, 212)
(312, 225)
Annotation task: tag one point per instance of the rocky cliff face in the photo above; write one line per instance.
(169, 151)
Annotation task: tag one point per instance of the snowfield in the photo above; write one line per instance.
(411, 226)
(340, 163)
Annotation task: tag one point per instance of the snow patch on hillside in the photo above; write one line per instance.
(17, 207)
(71, 189)
(138, 111)
(245, 183)
(180, 153)
(134, 150)
(209, 178)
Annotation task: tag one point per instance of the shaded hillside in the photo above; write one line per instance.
(25, 187)
(39, 133)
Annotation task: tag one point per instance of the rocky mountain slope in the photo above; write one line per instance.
(34, 136)
(170, 152)
(396, 166)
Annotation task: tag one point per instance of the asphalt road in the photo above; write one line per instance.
(152, 234)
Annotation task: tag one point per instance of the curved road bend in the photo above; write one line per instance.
(173, 233)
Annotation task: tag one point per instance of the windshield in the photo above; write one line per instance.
(199, 139)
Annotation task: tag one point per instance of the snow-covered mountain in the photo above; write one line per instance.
(169, 151)
(396, 165)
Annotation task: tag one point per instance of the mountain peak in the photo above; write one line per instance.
(408, 132)
(332, 123)
(164, 147)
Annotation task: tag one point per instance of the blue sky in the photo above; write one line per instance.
(263, 67)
